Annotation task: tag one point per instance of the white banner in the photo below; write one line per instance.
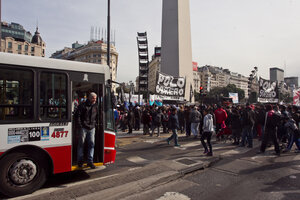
(234, 97)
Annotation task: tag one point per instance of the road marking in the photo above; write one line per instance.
(136, 159)
(135, 168)
(152, 141)
(174, 196)
(236, 151)
(293, 177)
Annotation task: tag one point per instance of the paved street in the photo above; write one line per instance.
(148, 168)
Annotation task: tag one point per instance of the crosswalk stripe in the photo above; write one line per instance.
(136, 159)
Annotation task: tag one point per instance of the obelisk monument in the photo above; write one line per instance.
(176, 47)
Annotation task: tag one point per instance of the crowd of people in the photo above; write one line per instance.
(273, 124)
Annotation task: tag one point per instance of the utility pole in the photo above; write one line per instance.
(108, 38)
(0, 28)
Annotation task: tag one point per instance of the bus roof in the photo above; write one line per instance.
(51, 63)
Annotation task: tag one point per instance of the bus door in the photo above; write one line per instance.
(80, 92)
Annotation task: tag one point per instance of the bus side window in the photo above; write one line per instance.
(53, 99)
(16, 94)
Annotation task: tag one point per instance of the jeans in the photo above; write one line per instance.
(247, 133)
(293, 139)
(194, 128)
(188, 128)
(153, 128)
(175, 136)
(207, 136)
(89, 136)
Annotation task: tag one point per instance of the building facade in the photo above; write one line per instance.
(276, 74)
(93, 52)
(292, 81)
(154, 68)
(15, 39)
(212, 77)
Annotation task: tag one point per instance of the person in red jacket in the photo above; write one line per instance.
(221, 116)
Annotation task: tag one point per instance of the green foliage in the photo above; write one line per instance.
(224, 91)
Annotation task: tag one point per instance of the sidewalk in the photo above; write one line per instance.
(146, 174)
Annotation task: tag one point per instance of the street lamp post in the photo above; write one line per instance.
(252, 77)
(0, 28)
(108, 38)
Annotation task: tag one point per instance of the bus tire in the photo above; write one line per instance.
(22, 173)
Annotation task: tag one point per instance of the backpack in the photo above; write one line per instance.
(157, 118)
(272, 120)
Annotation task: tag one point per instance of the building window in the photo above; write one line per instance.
(26, 47)
(53, 91)
(32, 49)
(9, 45)
(16, 94)
(19, 47)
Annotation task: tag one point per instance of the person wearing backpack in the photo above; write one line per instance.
(248, 121)
(271, 123)
(157, 119)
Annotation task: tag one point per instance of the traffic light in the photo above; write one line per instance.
(201, 90)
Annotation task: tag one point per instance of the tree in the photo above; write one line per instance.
(224, 91)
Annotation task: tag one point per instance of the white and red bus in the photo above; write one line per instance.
(38, 98)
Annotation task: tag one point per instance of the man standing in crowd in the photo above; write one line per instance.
(236, 127)
(131, 120)
(207, 132)
(137, 116)
(157, 119)
(271, 122)
(181, 119)
(195, 118)
(86, 117)
(146, 120)
(174, 126)
(221, 116)
(248, 121)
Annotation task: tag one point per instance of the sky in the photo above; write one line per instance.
(234, 34)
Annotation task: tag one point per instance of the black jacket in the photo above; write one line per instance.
(86, 115)
(173, 121)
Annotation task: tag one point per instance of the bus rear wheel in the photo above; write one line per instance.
(22, 173)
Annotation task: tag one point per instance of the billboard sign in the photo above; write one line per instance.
(170, 87)
(268, 91)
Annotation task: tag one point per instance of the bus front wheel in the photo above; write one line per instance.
(22, 173)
